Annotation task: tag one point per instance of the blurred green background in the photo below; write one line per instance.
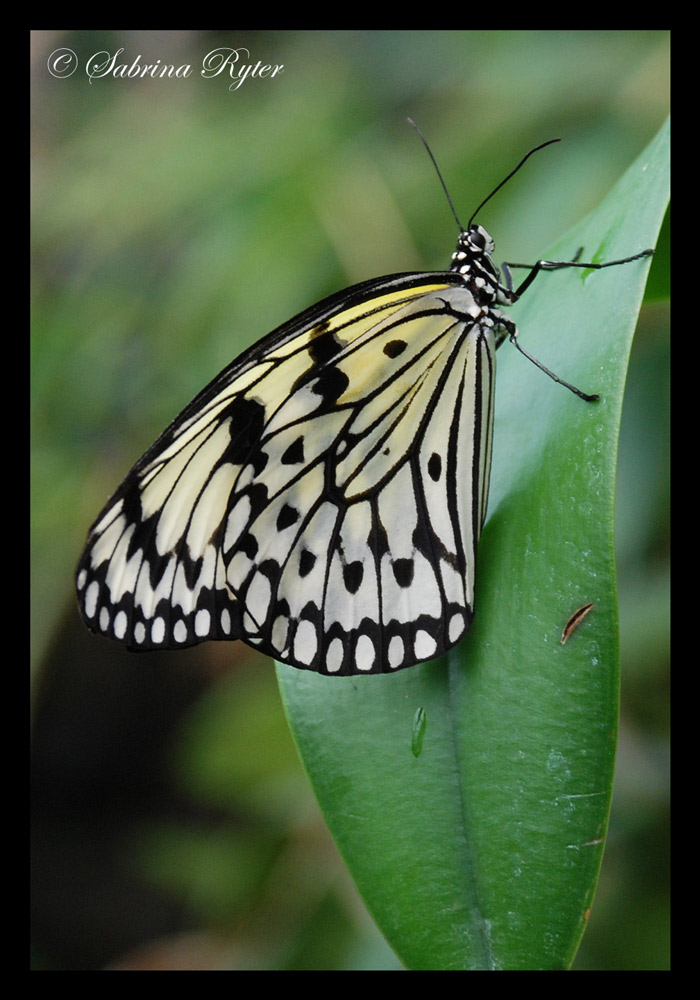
(174, 222)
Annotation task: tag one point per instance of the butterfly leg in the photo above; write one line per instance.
(556, 265)
(511, 331)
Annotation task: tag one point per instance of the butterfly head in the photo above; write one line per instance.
(478, 239)
(473, 248)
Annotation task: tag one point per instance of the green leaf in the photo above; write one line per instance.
(470, 796)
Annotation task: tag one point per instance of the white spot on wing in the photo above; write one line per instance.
(334, 657)
(424, 645)
(305, 642)
(280, 631)
(258, 597)
(395, 653)
(202, 623)
(365, 654)
(91, 595)
(456, 626)
(157, 630)
(120, 623)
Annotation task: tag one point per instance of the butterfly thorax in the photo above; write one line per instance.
(472, 260)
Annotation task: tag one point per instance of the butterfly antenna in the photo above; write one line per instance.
(506, 179)
(437, 170)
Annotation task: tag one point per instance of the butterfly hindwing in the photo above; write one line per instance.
(322, 497)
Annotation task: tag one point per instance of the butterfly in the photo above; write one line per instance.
(322, 498)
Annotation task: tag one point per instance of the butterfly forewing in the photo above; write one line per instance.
(321, 499)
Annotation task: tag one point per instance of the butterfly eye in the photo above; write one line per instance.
(477, 239)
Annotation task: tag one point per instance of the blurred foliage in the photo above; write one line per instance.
(175, 221)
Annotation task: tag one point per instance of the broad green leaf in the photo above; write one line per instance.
(470, 796)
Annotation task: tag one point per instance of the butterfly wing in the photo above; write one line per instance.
(322, 498)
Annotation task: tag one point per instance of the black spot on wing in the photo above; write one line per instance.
(352, 576)
(434, 466)
(307, 561)
(294, 455)
(247, 418)
(403, 571)
(331, 383)
(393, 348)
(324, 346)
(287, 516)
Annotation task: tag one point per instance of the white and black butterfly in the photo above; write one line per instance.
(323, 497)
